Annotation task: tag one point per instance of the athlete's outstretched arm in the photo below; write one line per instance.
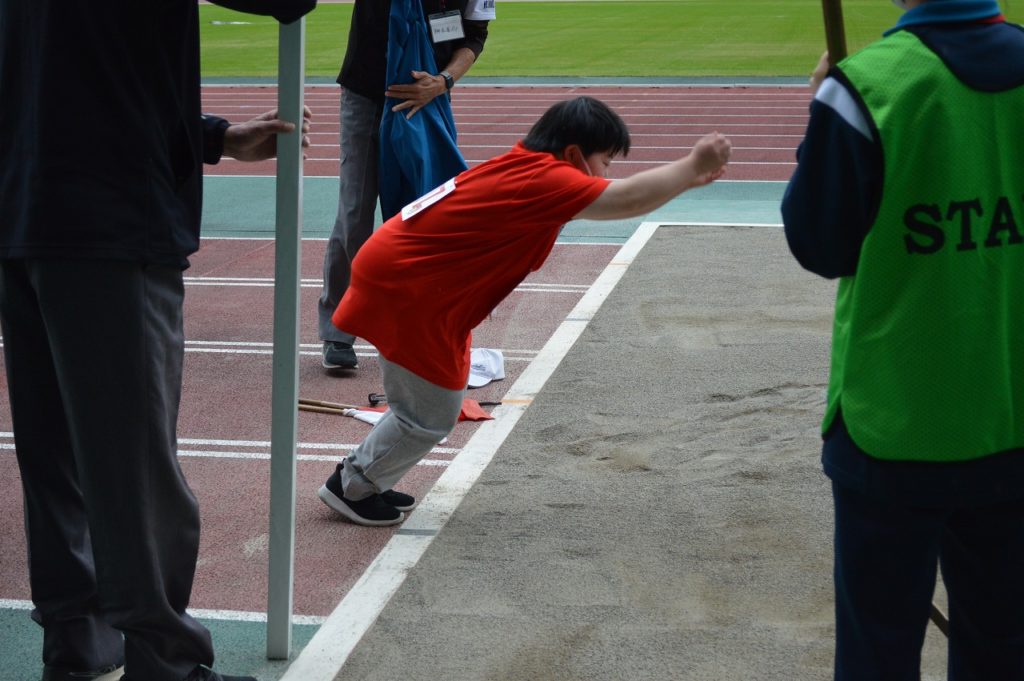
(653, 188)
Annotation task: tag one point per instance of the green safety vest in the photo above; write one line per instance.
(928, 337)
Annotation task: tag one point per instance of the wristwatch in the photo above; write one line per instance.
(449, 81)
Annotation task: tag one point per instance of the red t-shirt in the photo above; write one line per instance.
(421, 284)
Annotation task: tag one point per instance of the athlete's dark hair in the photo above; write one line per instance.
(585, 121)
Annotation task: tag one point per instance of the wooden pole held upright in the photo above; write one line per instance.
(835, 33)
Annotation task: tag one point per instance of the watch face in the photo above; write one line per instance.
(449, 81)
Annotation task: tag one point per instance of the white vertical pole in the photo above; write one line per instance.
(284, 417)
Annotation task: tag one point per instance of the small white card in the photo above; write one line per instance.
(428, 199)
(446, 26)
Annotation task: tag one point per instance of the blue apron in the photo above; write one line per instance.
(420, 153)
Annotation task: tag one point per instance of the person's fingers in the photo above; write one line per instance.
(724, 148)
(274, 127)
(267, 115)
(819, 73)
(712, 152)
(268, 123)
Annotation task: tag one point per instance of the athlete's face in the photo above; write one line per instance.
(598, 163)
(595, 165)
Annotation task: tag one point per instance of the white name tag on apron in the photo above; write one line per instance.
(446, 26)
(428, 199)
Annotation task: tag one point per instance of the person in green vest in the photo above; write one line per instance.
(909, 188)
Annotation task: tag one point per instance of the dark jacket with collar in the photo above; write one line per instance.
(101, 134)
(364, 67)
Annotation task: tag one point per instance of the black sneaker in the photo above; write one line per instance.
(403, 502)
(64, 674)
(371, 511)
(338, 355)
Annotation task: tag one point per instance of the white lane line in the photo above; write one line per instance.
(257, 456)
(562, 244)
(229, 449)
(259, 348)
(307, 349)
(509, 353)
(198, 613)
(326, 653)
(268, 282)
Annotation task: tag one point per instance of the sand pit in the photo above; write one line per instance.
(660, 511)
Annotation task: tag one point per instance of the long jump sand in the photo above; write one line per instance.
(659, 512)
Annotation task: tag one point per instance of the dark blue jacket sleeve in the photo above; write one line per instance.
(832, 199)
(213, 138)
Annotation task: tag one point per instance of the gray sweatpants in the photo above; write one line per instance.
(420, 415)
(357, 205)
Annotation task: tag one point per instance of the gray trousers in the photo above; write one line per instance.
(93, 350)
(357, 204)
(420, 415)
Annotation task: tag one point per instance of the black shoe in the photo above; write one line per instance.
(65, 674)
(371, 511)
(403, 502)
(338, 355)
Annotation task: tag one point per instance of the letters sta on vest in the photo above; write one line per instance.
(928, 338)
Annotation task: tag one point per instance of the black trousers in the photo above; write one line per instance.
(93, 350)
(886, 560)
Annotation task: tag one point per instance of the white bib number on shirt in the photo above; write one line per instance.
(428, 199)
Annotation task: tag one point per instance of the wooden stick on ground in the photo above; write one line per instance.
(322, 407)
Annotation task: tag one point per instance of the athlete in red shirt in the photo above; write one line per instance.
(430, 274)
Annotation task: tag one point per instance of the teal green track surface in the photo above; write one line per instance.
(243, 207)
(240, 646)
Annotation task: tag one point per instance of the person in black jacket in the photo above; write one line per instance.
(100, 188)
(362, 77)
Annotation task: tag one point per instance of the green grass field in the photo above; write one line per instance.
(667, 38)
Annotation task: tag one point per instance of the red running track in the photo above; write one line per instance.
(224, 426)
(224, 429)
(765, 124)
